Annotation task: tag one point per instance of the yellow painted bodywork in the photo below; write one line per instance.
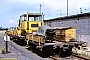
(36, 38)
(65, 34)
(70, 34)
(15, 32)
(18, 32)
(9, 32)
(26, 25)
(61, 35)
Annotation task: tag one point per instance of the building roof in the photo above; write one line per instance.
(68, 17)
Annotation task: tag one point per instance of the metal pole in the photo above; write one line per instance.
(42, 16)
(40, 8)
(80, 38)
(40, 12)
(27, 17)
(67, 7)
(81, 10)
(6, 45)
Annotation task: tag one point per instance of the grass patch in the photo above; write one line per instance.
(3, 51)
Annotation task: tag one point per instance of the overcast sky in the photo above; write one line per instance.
(10, 10)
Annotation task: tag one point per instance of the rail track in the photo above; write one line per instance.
(79, 57)
(74, 56)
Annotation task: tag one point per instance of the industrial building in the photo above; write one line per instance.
(80, 21)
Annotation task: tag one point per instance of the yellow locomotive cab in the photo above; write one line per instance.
(28, 23)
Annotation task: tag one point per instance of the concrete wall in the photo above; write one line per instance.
(82, 26)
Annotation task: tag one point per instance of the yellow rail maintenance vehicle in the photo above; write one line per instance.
(28, 23)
